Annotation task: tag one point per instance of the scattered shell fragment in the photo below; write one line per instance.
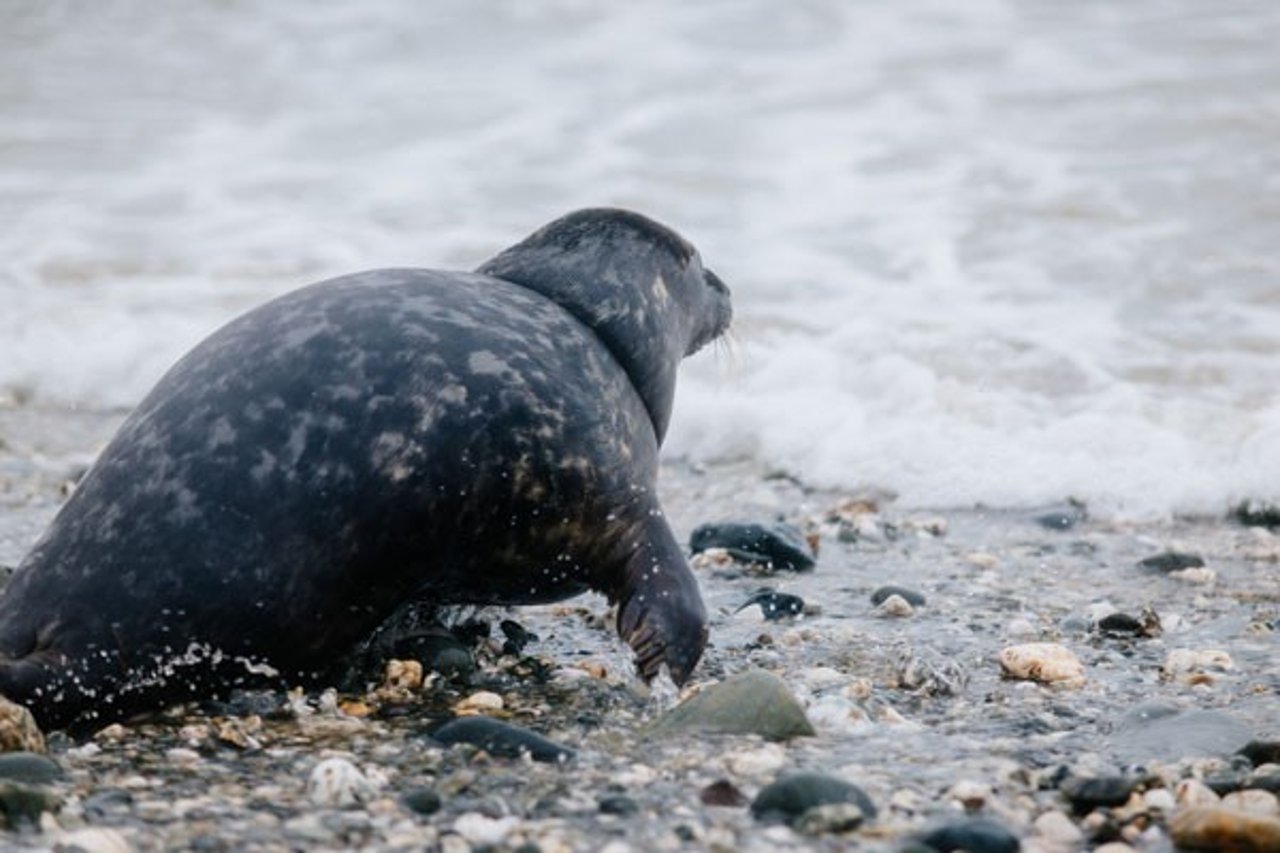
(338, 782)
(1047, 663)
(403, 675)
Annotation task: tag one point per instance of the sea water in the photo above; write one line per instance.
(999, 251)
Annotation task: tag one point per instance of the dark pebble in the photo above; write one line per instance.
(1260, 752)
(424, 801)
(1120, 623)
(1265, 782)
(1171, 561)
(28, 767)
(912, 597)
(775, 605)
(1062, 518)
(108, 801)
(1258, 514)
(442, 653)
(1087, 794)
(22, 805)
(501, 739)
(471, 631)
(722, 793)
(618, 804)
(685, 833)
(517, 637)
(974, 835)
(791, 796)
(777, 545)
(1225, 782)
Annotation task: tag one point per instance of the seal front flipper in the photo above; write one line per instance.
(660, 610)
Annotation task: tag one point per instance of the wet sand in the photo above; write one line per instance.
(912, 708)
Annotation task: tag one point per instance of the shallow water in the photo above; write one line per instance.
(998, 251)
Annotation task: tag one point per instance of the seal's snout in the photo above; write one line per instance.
(717, 314)
(715, 283)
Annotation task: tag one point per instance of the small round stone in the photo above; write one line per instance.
(912, 597)
(722, 792)
(830, 818)
(791, 796)
(28, 767)
(1120, 623)
(976, 834)
(501, 739)
(618, 804)
(1222, 829)
(1087, 794)
(423, 801)
(1048, 663)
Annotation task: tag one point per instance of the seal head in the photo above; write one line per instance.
(637, 284)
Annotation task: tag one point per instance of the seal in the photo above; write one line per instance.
(384, 439)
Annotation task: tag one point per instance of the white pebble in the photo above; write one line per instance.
(1193, 792)
(970, 794)
(1188, 664)
(982, 560)
(836, 714)
(761, 761)
(478, 829)
(94, 839)
(480, 702)
(182, 757)
(1058, 830)
(821, 676)
(1252, 801)
(616, 847)
(1021, 628)
(1160, 798)
(1199, 575)
(895, 606)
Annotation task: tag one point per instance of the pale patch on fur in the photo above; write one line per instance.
(484, 363)
(660, 291)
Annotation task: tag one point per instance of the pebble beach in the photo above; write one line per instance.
(920, 691)
(981, 491)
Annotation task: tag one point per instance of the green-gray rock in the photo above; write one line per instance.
(28, 767)
(751, 702)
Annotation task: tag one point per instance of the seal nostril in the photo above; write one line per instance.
(715, 283)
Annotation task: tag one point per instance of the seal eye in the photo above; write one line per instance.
(714, 282)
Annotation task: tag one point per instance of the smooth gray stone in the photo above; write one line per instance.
(790, 797)
(751, 702)
(28, 767)
(1161, 732)
(501, 739)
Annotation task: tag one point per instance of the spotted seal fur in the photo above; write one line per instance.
(388, 437)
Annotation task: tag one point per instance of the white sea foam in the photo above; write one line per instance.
(993, 251)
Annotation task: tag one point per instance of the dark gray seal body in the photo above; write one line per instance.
(390, 437)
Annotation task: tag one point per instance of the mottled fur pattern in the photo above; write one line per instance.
(379, 439)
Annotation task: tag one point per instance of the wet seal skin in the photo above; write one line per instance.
(380, 439)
